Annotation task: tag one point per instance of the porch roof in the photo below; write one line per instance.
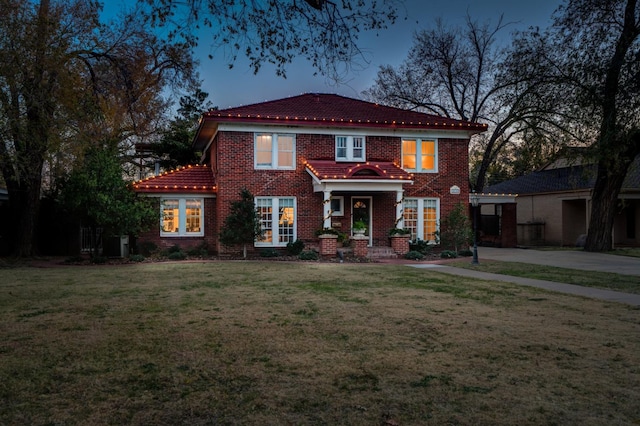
(189, 179)
(331, 175)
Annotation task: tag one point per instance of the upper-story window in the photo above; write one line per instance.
(275, 151)
(419, 155)
(350, 148)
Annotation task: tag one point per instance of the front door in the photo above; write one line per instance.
(361, 210)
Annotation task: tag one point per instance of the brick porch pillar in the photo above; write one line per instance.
(400, 244)
(360, 243)
(328, 244)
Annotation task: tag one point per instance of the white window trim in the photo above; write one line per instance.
(182, 225)
(420, 207)
(274, 152)
(418, 168)
(275, 210)
(349, 156)
(340, 212)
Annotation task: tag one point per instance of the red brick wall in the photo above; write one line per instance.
(453, 169)
(210, 231)
(509, 226)
(235, 167)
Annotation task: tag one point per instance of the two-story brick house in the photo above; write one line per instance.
(316, 161)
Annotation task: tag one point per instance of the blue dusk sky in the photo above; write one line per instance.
(239, 86)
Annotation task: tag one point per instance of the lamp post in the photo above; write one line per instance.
(475, 200)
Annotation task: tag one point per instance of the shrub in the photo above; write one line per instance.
(448, 254)
(177, 255)
(74, 259)
(420, 246)
(308, 255)
(174, 249)
(414, 255)
(146, 248)
(398, 231)
(295, 248)
(98, 260)
(269, 253)
(465, 253)
(136, 258)
(200, 250)
(455, 231)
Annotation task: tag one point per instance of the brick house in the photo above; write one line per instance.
(316, 161)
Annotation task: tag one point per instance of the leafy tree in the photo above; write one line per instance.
(590, 56)
(462, 73)
(97, 194)
(67, 79)
(242, 225)
(455, 231)
(174, 147)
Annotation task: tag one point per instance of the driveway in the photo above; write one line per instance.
(573, 259)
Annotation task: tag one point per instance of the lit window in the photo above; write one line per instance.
(419, 155)
(274, 151)
(279, 229)
(421, 218)
(350, 148)
(182, 217)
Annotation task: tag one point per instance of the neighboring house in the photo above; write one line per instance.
(316, 161)
(554, 205)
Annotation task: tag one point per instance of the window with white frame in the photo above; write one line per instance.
(274, 151)
(277, 220)
(337, 206)
(421, 218)
(182, 216)
(419, 155)
(350, 148)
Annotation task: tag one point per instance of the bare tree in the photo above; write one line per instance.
(464, 73)
(324, 32)
(591, 57)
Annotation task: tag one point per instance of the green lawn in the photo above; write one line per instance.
(273, 343)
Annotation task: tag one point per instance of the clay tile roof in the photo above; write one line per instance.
(336, 110)
(377, 170)
(189, 179)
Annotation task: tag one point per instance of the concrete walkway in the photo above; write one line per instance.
(563, 259)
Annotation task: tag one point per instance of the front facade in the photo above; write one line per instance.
(314, 162)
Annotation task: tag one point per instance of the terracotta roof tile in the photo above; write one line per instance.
(325, 169)
(189, 179)
(335, 110)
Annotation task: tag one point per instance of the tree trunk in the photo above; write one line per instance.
(26, 175)
(604, 202)
(24, 201)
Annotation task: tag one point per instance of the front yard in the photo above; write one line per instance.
(274, 343)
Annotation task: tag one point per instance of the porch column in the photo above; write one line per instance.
(326, 209)
(399, 210)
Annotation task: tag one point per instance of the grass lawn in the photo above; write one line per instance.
(275, 343)
(604, 280)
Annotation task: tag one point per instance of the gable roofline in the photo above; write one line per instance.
(192, 179)
(328, 110)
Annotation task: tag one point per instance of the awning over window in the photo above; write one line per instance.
(363, 176)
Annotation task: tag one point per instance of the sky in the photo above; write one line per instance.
(239, 86)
